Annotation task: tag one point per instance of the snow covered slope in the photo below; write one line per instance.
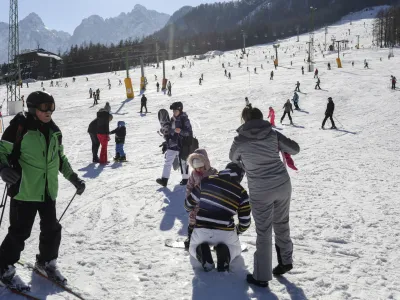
(344, 212)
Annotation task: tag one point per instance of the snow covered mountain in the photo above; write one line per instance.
(34, 33)
(137, 23)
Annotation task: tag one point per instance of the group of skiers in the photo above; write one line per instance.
(95, 95)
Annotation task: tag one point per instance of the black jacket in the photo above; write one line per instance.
(93, 127)
(120, 133)
(143, 101)
(103, 122)
(330, 108)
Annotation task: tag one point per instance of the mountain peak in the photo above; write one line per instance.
(34, 20)
(139, 7)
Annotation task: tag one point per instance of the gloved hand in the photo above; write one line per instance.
(164, 147)
(79, 185)
(9, 175)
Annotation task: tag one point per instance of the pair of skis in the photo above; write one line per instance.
(25, 290)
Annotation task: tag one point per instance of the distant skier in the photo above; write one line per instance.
(329, 66)
(296, 101)
(272, 75)
(255, 70)
(107, 107)
(51, 83)
(271, 116)
(155, 77)
(98, 94)
(316, 73)
(330, 108)
(120, 82)
(41, 84)
(226, 72)
(200, 81)
(143, 103)
(169, 87)
(158, 87)
(229, 75)
(317, 85)
(214, 220)
(297, 89)
(120, 134)
(366, 66)
(394, 81)
(288, 108)
(202, 76)
(302, 70)
(180, 75)
(90, 93)
(66, 84)
(246, 100)
(352, 63)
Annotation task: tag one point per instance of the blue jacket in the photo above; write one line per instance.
(174, 140)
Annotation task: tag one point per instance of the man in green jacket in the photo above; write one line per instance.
(31, 155)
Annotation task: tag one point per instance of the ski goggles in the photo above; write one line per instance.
(45, 107)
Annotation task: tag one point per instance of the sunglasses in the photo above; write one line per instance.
(45, 107)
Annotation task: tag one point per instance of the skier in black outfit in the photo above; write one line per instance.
(330, 108)
(143, 103)
(158, 87)
(288, 108)
(92, 130)
(302, 70)
(297, 89)
(272, 75)
(317, 85)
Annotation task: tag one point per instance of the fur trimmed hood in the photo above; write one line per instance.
(202, 155)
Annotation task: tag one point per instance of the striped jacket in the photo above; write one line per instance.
(219, 198)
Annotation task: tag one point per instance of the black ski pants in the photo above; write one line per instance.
(284, 114)
(296, 105)
(326, 118)
(143, 106)
(297, 89)
(317, 86)
(22, 217)
(95, 145)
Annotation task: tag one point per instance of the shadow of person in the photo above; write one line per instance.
(92, 170)
(175, 209)
(215, 285)
(295, 292)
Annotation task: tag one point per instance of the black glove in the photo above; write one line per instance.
(79, 185)
(9, 176)
(164, 147)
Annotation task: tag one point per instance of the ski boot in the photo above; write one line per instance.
(122, 159)
(95, 159)
(49, 269)
(183, 182)
(333, 127)
(117, 157)
(281, 269)
(7, 274)
(162, 181)
(223, 257)
(250, 279)
(203, 254)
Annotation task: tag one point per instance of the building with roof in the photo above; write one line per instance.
(40, 64)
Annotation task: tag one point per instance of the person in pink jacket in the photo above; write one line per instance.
(271, 115)
(201, 166)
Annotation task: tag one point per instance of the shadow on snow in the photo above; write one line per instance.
(92, 170)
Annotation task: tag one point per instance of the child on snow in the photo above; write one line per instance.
(120, 133)
(201, 166)
(271, 115)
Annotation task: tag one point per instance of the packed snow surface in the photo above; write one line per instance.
(344, 212)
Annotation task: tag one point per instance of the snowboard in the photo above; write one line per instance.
(165, 121)
(181, 245)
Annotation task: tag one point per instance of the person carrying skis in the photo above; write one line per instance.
(271, 116)
(201, 166)
(143, 103)
(288, 108)
(257, 148)
(330, 108)
(31, 155)
(120, 134)
(317, 85)
(297, 89)
(219, 198)
(92, 130)
(296, 101)
(272, 75)
(103, 131)
(180, 130)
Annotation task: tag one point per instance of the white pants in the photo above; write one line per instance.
(214, 237)
(169, 160)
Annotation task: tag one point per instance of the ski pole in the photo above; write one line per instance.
(3, 203)
(339, 122)
(67, 207)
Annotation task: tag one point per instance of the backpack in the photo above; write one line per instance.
(188, 146)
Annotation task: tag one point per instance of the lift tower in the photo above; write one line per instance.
(14, 73)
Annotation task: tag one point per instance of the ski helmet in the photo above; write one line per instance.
(121, 123)
(176, 106)
(35, 99)
(236, 170)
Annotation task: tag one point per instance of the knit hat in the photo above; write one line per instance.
(197, 163)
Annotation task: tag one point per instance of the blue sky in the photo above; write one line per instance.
(67, 14)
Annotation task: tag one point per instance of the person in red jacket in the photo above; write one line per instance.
(271, 115)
